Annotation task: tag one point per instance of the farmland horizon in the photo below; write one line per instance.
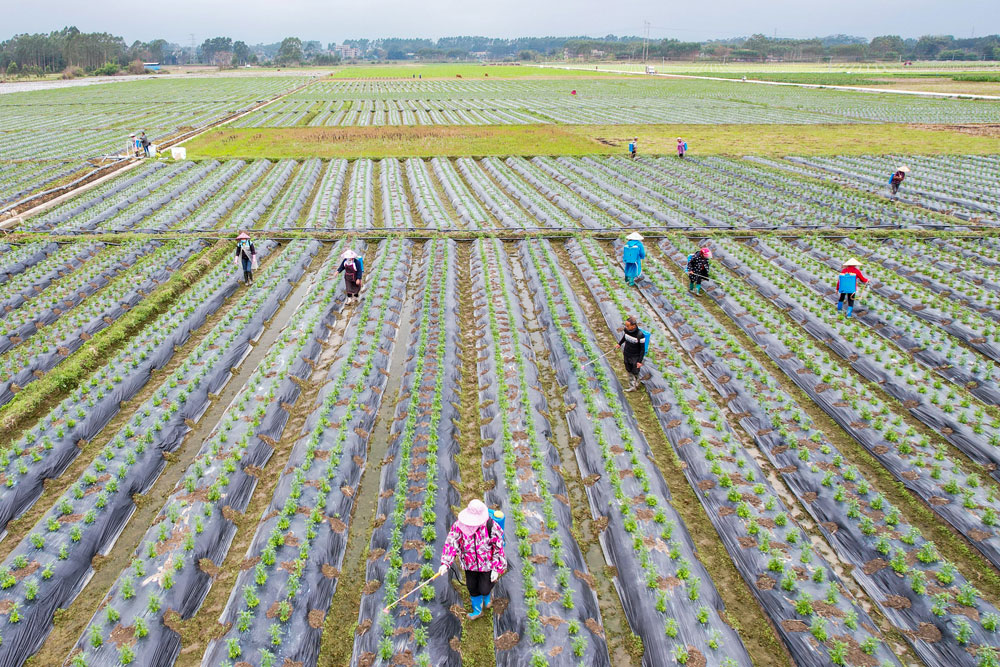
(262, 23)
(274, 328)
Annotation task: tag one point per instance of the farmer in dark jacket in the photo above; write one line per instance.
(246, 256)
(634, 341)
(697, 269)
(144, 142)
(352, 266)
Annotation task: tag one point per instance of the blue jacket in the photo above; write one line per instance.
(634, 252)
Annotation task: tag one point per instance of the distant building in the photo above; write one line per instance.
(347, 52)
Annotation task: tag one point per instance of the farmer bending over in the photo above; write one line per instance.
(478, 539)
(897, 179)
(634, 340)
(847, 284)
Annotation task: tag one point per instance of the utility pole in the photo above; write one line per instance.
(645, 41)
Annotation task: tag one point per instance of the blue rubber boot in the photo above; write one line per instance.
(697, 289)
(487, 601)
(840, 306)
(477, 607)
(850, 309)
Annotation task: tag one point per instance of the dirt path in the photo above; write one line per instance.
(477, 646)
(337, 644)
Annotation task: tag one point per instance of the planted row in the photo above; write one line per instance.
(89, 516)
(194, 529)
(293, 563)
(668, 596)
(793, 582)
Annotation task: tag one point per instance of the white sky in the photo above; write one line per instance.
(256, 21)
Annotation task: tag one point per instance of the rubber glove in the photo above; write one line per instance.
(494, 575)
(442, 570)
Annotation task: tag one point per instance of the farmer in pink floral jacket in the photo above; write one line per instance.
(478, 539)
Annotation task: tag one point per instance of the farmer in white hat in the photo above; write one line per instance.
(353, 266)
(897, 178)
(477, 540)
(847, 284)
(246, 257)
(633, 253)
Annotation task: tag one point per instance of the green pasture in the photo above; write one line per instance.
(735, 140)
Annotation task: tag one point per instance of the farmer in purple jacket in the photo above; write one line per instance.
(478, 539)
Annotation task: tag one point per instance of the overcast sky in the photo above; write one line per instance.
(256, 21)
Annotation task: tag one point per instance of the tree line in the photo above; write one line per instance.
(74, 52)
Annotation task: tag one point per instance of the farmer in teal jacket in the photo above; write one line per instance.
(633, 254)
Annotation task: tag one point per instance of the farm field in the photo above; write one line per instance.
(969, 78)
(516, 111)
(194, 471)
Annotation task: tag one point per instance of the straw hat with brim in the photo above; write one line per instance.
(852, 262)
(634, 236)
(242, 236)
(475, 515)
(350, 254)
(903, 168)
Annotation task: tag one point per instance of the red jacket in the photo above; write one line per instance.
(854, 270)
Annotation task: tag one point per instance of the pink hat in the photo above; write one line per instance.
(350, 254)
(707, 252)
(475, 515)
(243, 235)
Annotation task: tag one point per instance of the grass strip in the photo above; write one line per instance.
(556, 139)
(32, 402)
